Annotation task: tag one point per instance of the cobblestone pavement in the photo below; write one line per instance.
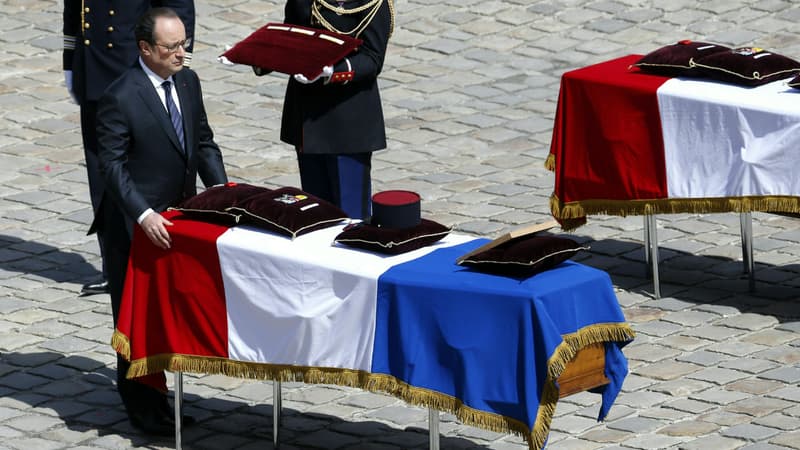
(469, 90)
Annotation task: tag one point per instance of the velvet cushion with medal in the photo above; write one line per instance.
(288, 211)
(747, 66)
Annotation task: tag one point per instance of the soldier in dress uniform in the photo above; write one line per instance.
(335, 122)
(99, 45)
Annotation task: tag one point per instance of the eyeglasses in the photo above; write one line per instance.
(174, 47)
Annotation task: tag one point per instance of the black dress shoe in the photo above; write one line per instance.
(95, 288)
(152, 423)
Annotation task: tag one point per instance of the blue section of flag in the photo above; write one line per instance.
(482, 338)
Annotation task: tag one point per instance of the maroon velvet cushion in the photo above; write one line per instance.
(524, 256)
(747, 66)
(212, 205)
(673, 60)
(289, 211)
(392, 241)
(795, 82)
(292, 49)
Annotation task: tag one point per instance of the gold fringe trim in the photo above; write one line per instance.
(564, 353)
(550, 162)
(121, 344)
(566, 213)
(390, 385)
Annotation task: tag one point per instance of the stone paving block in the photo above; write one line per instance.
(721, 396)
(750, 432)
(780, 421)
(763, 446)
(670, 370)
(770, 338)
(649, 441)
(713, 441)
(737, 348)
(790, 440)
(758, 406)
(717, 375)
(658, 328)
(714, 333)
(789, 375)
(705, 358)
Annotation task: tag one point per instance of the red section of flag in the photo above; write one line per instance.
(607, 139)
(179, 291)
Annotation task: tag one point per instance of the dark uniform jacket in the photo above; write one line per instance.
(99, 42)
(340, 117)
(141, 159)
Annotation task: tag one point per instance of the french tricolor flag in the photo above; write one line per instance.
(244, 302)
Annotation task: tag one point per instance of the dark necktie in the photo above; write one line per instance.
(174, 114)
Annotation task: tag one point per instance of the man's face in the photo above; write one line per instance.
(165, 57)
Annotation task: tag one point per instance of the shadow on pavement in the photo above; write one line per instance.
(699, 279)
(45, 261)
(80, 392)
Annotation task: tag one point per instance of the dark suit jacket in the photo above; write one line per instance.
(141, 160)
(339, 118)
(99, 42)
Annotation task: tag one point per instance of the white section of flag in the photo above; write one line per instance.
(304, 302)
(722, 140)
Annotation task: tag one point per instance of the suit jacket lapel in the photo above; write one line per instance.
(150, 98)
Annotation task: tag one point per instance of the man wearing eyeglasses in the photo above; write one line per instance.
(153, 141)
(98, 46)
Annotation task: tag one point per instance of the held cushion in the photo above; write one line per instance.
(212, 205)
(673, 60)
(524, 256)
(288, 211)
(291, 49)
(747, 66)
(392, 241)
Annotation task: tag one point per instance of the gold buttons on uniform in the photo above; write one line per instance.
(110, 12)
(110, 29)
(86, 42)
(110, 45)
(86, 25)
(86, 9)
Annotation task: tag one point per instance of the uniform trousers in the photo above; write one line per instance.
(342, 179)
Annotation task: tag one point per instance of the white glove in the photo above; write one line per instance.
(223, 59)
(68, 82)
(327, 71)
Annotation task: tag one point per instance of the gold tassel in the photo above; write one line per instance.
(550, 162)
(120, 344)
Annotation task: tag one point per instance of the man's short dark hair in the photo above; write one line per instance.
(145, 27)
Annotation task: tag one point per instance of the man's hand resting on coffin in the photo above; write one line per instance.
(155, 227)
(327, 71)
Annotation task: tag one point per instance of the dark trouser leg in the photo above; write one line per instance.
(96, 184)
(343, 180)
